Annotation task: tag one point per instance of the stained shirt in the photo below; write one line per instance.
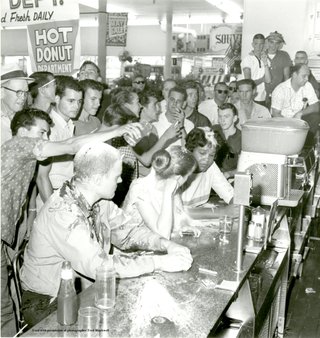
(196, 191)
(18, 161)
(67, 228)
(146, 189)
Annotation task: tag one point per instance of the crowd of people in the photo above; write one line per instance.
(85, 170)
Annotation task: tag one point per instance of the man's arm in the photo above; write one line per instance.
(73, 144)
(43, 182)
(312, 108)
(165, 140)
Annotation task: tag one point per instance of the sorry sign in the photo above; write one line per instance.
(53, 32)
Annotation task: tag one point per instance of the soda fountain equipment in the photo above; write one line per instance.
(270, 148)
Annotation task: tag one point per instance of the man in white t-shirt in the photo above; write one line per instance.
(296, 96)
(68, 102)
(255, 66)
(174, 115)
(209, 108)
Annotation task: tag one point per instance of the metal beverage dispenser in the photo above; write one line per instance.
(266, 146)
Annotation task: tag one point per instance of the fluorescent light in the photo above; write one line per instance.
(227, 6)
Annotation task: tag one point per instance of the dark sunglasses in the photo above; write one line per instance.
(139, 82)
(232, 89)
(220, 91)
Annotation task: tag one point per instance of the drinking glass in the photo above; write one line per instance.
(225, 228)
(88, 321)
(105, 287)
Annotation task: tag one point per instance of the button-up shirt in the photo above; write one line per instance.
(5, 124)
(18, 161)
(65, 229)
(289, 101)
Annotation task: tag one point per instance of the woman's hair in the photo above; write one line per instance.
(174, 161)
(196, 138)
(118, 115)
(123, 96)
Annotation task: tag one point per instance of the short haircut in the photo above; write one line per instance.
(144, 96)
(26, 118)
(296, 68)
(123, 96)
(178, 89)
(258, 36)
(94, 159)
(118, 115)
(229, 106)
(173, 161)
(63, 82)
(92, 84)
(302, 52)
(219, 84)
(40, 79)
(138, 75)
(168, 80)
(248, 82)
(88, 62)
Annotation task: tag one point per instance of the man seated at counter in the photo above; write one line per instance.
(78, 223)
(196, 191)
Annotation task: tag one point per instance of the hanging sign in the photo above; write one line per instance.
(53, 32)
(224, 36)
(117, 29)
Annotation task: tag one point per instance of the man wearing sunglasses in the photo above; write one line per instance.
(209, 108)
(14, 93)
(138, 83)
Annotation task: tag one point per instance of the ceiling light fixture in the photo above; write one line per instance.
(228, 6)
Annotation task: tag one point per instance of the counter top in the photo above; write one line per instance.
(187, 300)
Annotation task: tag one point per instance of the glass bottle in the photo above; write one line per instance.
(67, 311)
(258, 232)
(258, 215)
(105, 285)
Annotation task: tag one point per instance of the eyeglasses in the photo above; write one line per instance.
(232, 89)
(220, 91)
(139, 82)
(19, 93)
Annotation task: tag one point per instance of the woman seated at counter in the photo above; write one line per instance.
(207, 176)
(156, 198)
